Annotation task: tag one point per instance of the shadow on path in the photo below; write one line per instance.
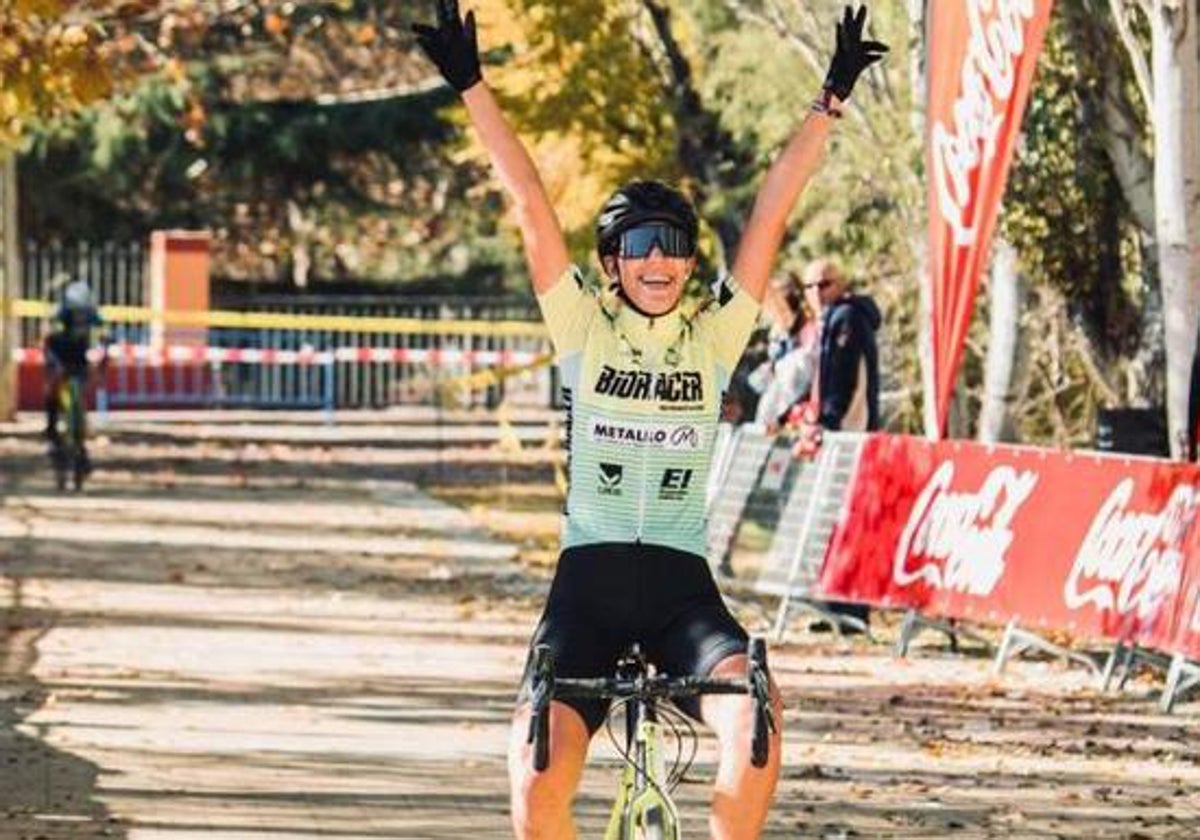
(44, 792)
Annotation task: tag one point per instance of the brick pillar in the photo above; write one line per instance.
(179, 282)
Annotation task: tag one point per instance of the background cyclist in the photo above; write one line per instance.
(643, 375)
(66, 347)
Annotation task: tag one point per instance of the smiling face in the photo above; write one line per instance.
(654, 284)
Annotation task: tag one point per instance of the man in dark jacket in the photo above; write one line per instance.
(847, 383)
(849, 362)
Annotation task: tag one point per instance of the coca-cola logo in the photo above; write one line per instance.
(959, 541)
(996, 42)
(1130, 561)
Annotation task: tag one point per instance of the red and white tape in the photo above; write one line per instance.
(140, 354)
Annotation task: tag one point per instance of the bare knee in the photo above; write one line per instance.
(732, 718)
(538, 795)
(541, 801)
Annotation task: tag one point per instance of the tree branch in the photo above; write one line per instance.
(1132, 165)
(1141, 70)
(706, 151)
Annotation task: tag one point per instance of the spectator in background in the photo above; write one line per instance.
(786, 377)
(848, 370)
(740, 402)
(846, 394)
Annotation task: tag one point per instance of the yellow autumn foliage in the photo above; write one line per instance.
(582, 93)
(53, 61)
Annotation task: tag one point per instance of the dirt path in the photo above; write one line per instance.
(309, 646)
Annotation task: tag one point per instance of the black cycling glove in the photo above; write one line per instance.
(853, 55)
(452, 45)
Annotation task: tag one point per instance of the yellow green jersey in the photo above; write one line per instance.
(643, 399)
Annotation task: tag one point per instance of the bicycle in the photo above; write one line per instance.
(643, 809)
(69, 453)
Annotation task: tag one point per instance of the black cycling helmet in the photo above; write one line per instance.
(643, 201)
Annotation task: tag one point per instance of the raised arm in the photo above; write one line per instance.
(791, 171)
(453, 47)
(773, 205)
(545, 246)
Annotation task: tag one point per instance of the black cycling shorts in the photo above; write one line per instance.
(607, 596)
(67, 352)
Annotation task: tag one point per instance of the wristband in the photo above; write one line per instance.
(823, 104)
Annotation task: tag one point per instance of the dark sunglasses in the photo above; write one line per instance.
(638, 242)
(820, 284)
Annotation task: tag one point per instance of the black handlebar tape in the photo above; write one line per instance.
(760, 686)
(542, 691)
(758, 652)
(541, 741)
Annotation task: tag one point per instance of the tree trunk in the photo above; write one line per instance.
(1123, 136)
(707, 153)
(1007, 299)
(1144, 386)
(917, 72)
(9, 266)
(1176, 121)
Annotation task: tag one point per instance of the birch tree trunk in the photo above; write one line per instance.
(1007, 301)
(917, 43)
(1123, 134)
(8, 285)
(1175, 116)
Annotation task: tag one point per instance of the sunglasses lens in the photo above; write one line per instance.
(638, 242)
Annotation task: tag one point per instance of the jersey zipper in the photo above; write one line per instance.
(641, 524)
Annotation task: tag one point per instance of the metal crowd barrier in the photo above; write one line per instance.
(813, 494)
(771, 515)
(741, 455)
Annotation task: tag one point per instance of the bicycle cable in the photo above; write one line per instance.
(677, 774)
(624, 754)
(677, 735)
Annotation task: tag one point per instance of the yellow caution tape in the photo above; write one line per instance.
(288, 321)
(479, 380)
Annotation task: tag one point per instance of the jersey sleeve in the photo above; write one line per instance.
(568, 309)
(730, 321)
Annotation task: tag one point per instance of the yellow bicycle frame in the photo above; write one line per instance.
(643, 803)
(70, 389)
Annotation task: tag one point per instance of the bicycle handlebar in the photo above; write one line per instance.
(648, 688)
(546, 687)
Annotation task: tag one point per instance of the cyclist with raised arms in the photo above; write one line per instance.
(642, 378)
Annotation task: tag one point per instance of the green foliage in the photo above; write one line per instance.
(366, 189)
(1064, 210)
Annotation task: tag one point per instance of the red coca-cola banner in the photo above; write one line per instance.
(1097, 546)
(982, 55)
